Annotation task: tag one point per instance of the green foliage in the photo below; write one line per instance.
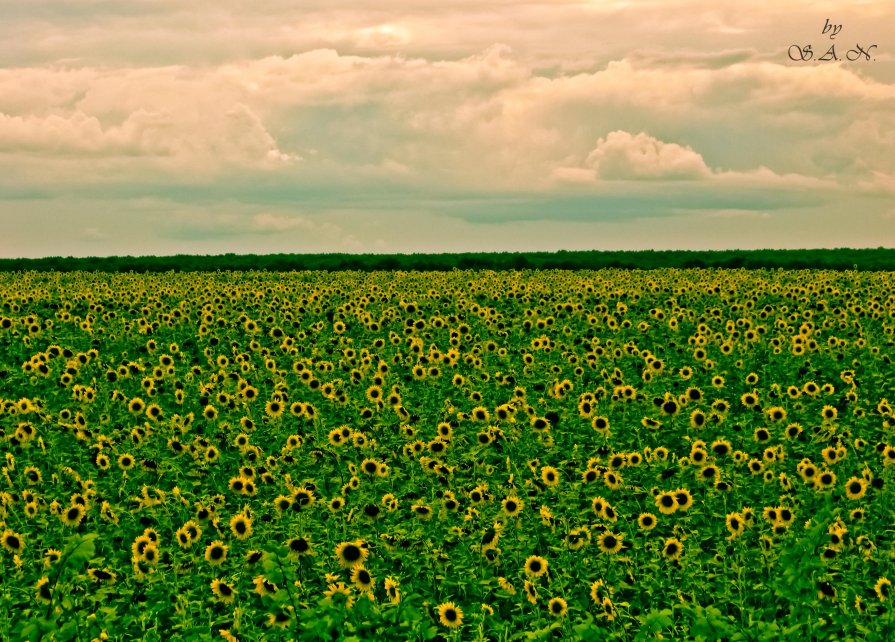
(808, 259)
(447, 455)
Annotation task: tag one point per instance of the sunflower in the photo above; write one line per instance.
(298, 547)
(32, 475)
(610, 542)
(531, 592)
(216, 553)
(52, 556)
(279, 620)
(392, 590)
(274, 409)
(683, 498)
(73, 515)
(856, 488)
(826, 479)
(101, 576)
(512, 506)
(351, 554)
(149, 554)
(264, 587)
(612, 480)
(826, 591)
(535, 566)
(600, 425)
(557, 607)
(735, 525)
(609, 611)
(223, 592)
(282, 503)
(43, 594)
(647, 521)
(882, 588)
(13, 542)
(450, 615)
(672, 549)
(125, 461)
(550, 476)
(597, 589)
(666, 503)
(339, 593)
(362, 579)
(241, 526)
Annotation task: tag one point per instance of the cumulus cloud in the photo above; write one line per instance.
(621, 155)
(333, 103)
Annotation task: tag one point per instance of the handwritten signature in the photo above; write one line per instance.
(804, 53)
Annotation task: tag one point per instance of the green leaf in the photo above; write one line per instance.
(80, 548)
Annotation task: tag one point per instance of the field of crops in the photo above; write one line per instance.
(614, 455)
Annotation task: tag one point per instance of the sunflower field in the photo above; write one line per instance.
(466, 455)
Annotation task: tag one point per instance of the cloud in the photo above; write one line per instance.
(95, 234)
(738, 214)
(621, 155)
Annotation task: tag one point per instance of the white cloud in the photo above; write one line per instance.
(621, 155)
(738, 214)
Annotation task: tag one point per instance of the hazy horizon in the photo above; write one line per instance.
(156, 128)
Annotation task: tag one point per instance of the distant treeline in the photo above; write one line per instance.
(826, 259)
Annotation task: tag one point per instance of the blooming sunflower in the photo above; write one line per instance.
(647, 521)
(73, 515)
(101, 576)
(12, 542)
(362, 579)
(550, 476)
(223, 592)
(450, 615)
(298, 547)
(44, 593)
(279, 620)
(609, 542)
(216, 553)
(351, 554)
(557, 607)
(666, 503)
(535, 566)
(882, 588)
(241, 526)
(512, 506)
(855, 488)
(392, 590)
(672, 549)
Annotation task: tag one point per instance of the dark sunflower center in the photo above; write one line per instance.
(299, 545)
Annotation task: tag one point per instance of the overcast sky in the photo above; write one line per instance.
(163, 126)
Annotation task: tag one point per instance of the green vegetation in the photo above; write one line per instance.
(833, 259)
(617, 455)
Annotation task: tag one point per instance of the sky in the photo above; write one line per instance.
(164, 127)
